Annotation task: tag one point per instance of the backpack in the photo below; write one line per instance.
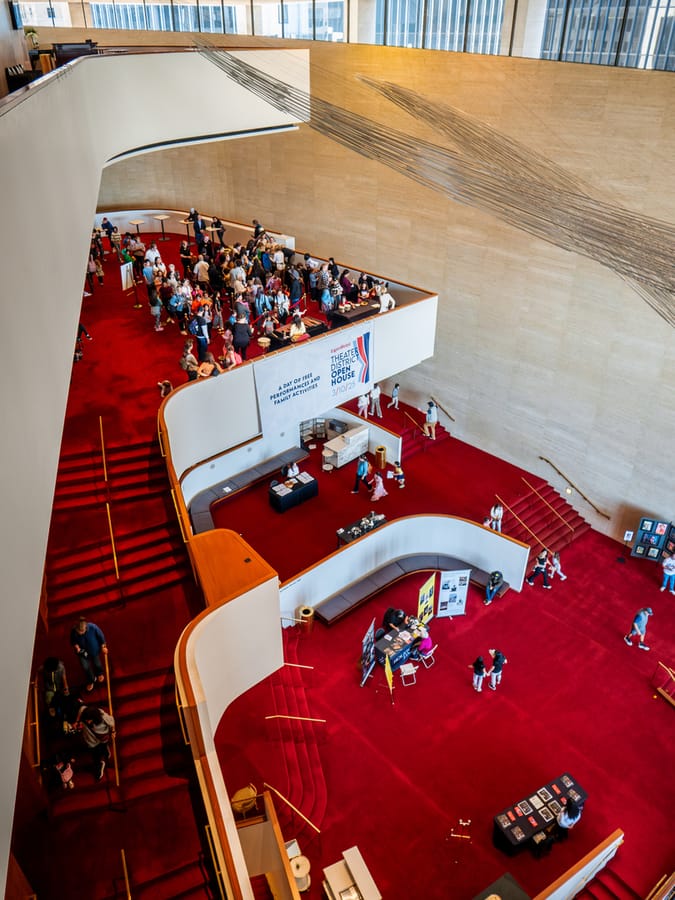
(193, 327)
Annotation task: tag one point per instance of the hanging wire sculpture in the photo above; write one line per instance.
(487, 171)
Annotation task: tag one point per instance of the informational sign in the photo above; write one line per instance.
(315, 376)
(425, 600)
(452, 593)
(367, 652)
(127, 275)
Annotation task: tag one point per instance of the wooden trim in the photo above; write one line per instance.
(271, 814)
(577, 867)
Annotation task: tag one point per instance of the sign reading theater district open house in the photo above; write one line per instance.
(313, 377)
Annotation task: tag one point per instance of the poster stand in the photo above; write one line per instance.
(368, 653)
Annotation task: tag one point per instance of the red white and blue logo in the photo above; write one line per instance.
(362, 358)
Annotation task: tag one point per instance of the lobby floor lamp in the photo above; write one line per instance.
(162, 219)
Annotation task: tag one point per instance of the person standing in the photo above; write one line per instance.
(639, 627)
(495, 581)
(97, 728)
(567, 818)
(555, 567)
(361, 473)
(431, 420)
(668, 565)
(478, 666)
(399, 474)
(394, 396)
(362, 406)
(379, 489)
(375, 406)
(495, 671)
(88, 642)
(496, 516)
(540, 566)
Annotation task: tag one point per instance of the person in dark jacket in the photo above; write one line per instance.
(241, 336)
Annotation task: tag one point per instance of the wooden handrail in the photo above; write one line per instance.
(105, 467)
(573, 485)
(214, 861)
(35, 725)
(544, 500)
(440, 406)
(294, 808)
(662, 890)
(296, 718)
(159, 438)
(181, 720)
(414, 421)
(597, 853)
(525, 526)
(125, 870)
(110, 711)
(178, 516)
(112, 541)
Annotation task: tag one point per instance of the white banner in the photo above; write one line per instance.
(452, 594)
(127, 276)
(304, 381)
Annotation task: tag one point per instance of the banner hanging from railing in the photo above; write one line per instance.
(305, 381)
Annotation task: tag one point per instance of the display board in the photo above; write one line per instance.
(653, 539)
(452, 593)
(367, 652)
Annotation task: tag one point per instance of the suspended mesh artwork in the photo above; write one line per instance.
(488, 171)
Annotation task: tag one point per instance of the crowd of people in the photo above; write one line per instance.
(236, 291)
(73, 722)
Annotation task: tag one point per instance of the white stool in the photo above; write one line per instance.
(300, 867)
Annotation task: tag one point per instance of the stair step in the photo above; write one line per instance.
(186, 881)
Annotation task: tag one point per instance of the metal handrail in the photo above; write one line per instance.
(296, 718)
(110, 711)
(35, 724)
(414, 421)
(573, 485)
(544, 500)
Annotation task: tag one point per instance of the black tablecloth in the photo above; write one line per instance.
(349, 316)
(357, 529)
(298, 493)
(515, 827)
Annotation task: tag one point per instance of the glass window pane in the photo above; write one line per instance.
(404, 28)
(186, 17)
(445, 25)
(298, 20)
(267, 18)
(331, 20)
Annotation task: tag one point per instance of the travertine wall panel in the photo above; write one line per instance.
(540, 351)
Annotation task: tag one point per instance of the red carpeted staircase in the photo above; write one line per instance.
(306, 785)
(149, 559)
(542, 517)
(607, 885)
(134, 471)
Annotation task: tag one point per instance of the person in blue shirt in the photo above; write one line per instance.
(88, 642)
(361, 473)
(639, 627)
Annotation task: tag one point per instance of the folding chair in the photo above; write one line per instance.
(428, 659)
(408, 674)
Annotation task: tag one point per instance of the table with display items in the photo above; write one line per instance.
(293, 491)
(397, 644)
(347, 316)
(517, 825)
(281, 336)
(357, 529)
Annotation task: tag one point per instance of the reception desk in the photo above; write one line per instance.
(349, 879)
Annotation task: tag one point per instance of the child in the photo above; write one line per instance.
(555, 567)
(399, 475)
(64, 767)
(379, 489)
(478, 667)
(394, 396)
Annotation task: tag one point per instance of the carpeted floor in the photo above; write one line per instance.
(395, 779)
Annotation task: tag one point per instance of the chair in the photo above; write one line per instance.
(408, 674)
(245, 799)
(274, 482)
(428, 659)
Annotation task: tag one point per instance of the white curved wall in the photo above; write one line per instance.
(53, 146)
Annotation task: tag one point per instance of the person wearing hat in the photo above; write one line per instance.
(639, 627)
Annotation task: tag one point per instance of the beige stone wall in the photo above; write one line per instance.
(540, 351)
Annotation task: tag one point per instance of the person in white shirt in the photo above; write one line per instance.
(387, 302)
(496, 515)
(152, 252)
(668, 566)
(375, 406)
(362, 406)
(567, 818)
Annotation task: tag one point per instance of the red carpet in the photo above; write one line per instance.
(393, 779)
